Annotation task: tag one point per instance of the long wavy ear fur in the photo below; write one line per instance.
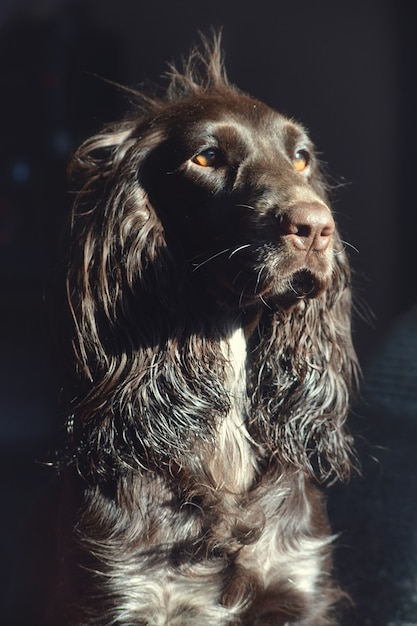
(146, 385)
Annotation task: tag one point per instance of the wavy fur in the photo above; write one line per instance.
(210, 384)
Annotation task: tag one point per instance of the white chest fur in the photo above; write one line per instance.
(233, 462)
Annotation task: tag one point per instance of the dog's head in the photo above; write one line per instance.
(238, 187)
(231, 187)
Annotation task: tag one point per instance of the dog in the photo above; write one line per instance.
(208, 297)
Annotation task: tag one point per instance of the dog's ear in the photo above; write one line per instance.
(113, 235)
(308, 369)
(140, 391)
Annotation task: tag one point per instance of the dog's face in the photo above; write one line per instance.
(237, 186)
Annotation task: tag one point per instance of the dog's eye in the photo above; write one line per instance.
(301, 160)
(206, 158)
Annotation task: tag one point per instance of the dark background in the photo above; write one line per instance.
(347, 71)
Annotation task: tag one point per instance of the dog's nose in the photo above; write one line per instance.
(309, 226)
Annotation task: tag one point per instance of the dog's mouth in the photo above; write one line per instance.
(282, 293)
(241, 282)
(303, 284)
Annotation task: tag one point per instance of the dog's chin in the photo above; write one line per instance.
(305, 284)
(302, 285)
(276, 293)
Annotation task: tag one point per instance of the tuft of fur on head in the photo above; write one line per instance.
(203, 70)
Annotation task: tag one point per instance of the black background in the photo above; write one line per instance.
(346, 70)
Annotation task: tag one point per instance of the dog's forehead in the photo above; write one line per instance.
(217, 114)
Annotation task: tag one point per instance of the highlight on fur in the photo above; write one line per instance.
(208, 305)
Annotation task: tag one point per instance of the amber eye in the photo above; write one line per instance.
(206, 158)
(301, 160)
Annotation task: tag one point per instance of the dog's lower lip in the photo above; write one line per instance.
(304, 284)
(283, 291)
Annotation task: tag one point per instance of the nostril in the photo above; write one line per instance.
(308, 226)
(302, 230)
(327, 229)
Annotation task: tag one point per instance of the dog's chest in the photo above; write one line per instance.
(233, 462)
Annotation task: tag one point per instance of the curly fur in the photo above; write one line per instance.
(212, 367)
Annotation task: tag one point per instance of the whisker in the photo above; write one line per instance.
(236, 277)
(294, 290)
(346, 244)
(241, 298)
(246, 206)
(242, 294)
(262, 299)
(258, 279)
(217, 254)
(214, 256)
(247, 245)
